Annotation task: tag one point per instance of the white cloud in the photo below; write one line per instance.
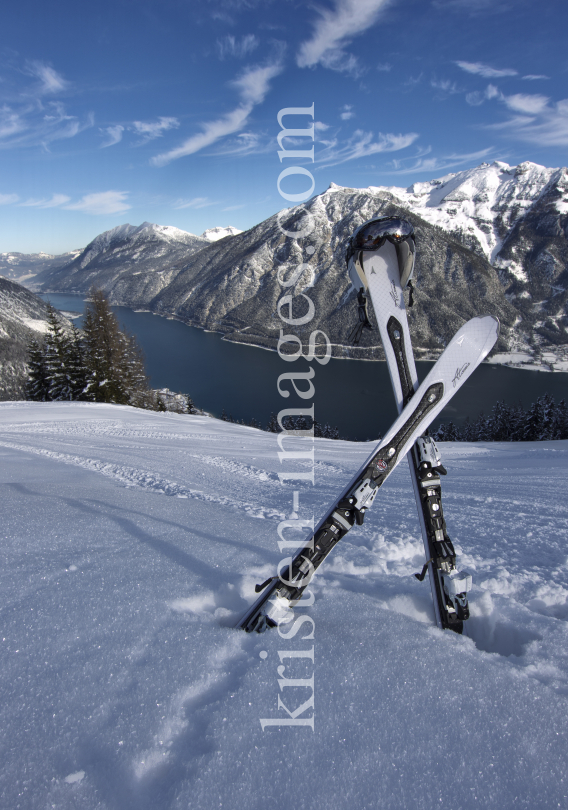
(479, 69)
(196, 202)
(246, 143)
(335, 29)
(533, 77)
(384, 67)
(54, 202)
(445, 85)
(232, 46)
(320, 126)
(39, 125)
(479, 96)
(113, 135)
(542, 124)
(8, 199)
(103, 202)
(347, 112)
(361, 144)
(51, 80)
(438, 164)
(10, 122)
(253, 86)
(528, 104)
(149, 130)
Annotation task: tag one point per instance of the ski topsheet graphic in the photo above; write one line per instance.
(380, 259)
(463, 354)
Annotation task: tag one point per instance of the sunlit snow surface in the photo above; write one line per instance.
(131, 542)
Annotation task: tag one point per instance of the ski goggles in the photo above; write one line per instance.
(373, 234)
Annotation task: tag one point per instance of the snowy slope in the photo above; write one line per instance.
(24, 266)
(23, 317)
(214, 234)
(131, 543)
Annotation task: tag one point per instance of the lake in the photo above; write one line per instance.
(354, 395)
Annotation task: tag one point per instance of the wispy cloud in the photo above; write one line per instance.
(103, 202)
(384, 67)
(246, 143)
(539, 121)
(233, 46)
(252, 86)
(437, 164)
(149, 130)
(528, 104)
(196, 202)
(50, 80)
(8, 199)
(445, 86)
(28, 125)
(532, 77)
(479, 69)
(335, 29)
(362, 144)
(477, 98)
(55, 201)
(112, 135)
(347, 112)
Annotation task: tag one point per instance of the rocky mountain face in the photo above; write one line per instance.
(492, 239)
(22, 317)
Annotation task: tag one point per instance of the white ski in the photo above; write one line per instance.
(463, 354)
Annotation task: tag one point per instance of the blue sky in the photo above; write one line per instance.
(123, 111)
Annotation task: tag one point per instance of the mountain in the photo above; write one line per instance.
(23, 266)
(517, 217)
(22, 317)
(134, 262)
(490, 239)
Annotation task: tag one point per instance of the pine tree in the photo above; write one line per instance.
(56, 354)
(37, 388)
(76, 365)
(273, 426)
(115, 367)
(189, 406)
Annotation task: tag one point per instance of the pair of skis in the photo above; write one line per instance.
(381, 259)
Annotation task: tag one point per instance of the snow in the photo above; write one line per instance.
(37, 324)
(479, 203)
(131, 545)
(214, 234)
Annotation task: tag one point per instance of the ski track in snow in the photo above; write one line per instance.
(131, 477)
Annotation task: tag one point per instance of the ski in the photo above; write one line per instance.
(463, 354)
(380, 261)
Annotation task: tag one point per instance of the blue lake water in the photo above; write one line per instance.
(353, 395)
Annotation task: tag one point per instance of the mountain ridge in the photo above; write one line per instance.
(515, 215)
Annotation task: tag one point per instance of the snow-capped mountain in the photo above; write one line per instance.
(214, 234)
(490, 239)
(480, 206)
(517, 217)
(22, 317)
(23, 266)
(131, 262)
